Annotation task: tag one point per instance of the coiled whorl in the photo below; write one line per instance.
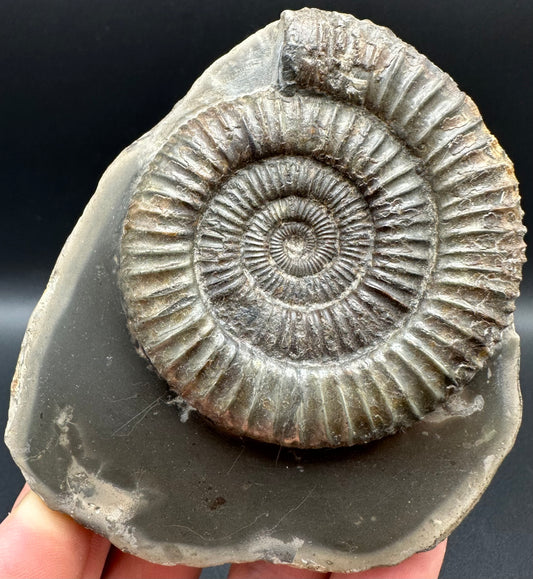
(321, 263)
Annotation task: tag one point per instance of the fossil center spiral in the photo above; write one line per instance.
(294, 235)
(296, 241)
(280, 251)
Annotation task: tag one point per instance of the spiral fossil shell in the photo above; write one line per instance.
(322, 262)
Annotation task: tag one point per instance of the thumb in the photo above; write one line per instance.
(37, 542)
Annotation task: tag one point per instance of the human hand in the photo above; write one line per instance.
(38, 543)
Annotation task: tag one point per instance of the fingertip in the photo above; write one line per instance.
(125, 566)
(25, 490)
(36, 541)
(262, 569)
(424, 565)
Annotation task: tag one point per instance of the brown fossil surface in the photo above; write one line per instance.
(324, 261)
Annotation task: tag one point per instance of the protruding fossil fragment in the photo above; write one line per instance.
(322, 261)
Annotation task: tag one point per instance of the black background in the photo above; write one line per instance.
(79, 81)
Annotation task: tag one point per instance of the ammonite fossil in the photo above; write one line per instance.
(322, 262)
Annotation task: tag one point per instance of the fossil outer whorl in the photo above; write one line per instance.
(322, 262)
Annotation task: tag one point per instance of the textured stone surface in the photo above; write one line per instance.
(98, 436)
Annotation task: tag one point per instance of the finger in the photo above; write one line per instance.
(124, 566)
(25, 490)
(38, 542)
(262, 569)
(424, 565)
